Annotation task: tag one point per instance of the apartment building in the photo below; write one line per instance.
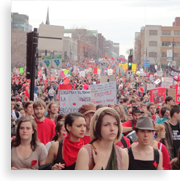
(153, 41)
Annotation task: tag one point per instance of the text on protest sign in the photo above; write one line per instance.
(104, 93)
(150, 86)
(72, 100)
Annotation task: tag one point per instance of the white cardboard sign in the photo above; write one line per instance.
(72, 100)
(104, 93)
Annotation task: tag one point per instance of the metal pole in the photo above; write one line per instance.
(173, 52)
(33, 64)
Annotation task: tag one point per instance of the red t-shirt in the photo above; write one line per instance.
(119, 143)
(165, 157)
(128, 124)
(87, 139)
(46, 130)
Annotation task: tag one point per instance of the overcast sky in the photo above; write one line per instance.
(116, 20)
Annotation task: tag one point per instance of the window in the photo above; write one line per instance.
(152, 54)
(164, 54)
(166, 43)
(176, 54)
(176, 32)
(177, 44)
(152, 32)
(166, 32)
(153, 43)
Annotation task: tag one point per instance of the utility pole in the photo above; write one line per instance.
(34, 66)
(173, 51)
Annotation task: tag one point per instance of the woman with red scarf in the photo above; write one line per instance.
(75, 126)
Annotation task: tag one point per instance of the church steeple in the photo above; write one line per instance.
(47, 18)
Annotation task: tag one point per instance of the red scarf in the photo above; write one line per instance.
(70, 150)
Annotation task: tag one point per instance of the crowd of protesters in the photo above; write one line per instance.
(133, 134)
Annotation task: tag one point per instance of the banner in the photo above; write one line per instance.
(72, 100)
(104, 93)
(174, 72)
(150, 86)
(157, 95)
(134, 67)
(125, 66)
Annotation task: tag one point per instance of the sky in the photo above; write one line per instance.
(115, 20)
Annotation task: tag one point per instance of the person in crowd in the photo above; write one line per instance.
(99, 106)
(122, 115)
(165, 115)
(75, 126)
(125, 104)
(88, 111)
(128, 125)
(51, 93)
(45, 127)
(102, 153)
(60, 134)
(160, 132)
(143, 107)
(28, 108)
(14, 114)
(52, 111)
(27, 152)
(17, 97)
(61, 118)
(152, 109)
(172, 129)
(169, 101)
(175, 162)
(142, 156)
(133, 103)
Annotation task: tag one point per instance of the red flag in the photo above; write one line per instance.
(65, 87)
(95, 71)
(66, 81)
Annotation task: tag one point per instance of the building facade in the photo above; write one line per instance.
(154, 42)
(20, 22)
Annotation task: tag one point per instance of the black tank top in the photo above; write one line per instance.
(59, 158)
(143, 164)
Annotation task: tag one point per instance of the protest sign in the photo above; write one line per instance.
(157, 95)
(106, 78)
(150, 86)
(157, 81)
(166, 82)
(21, 70)
(110, 71)
(172, 93)
(134, 67)
(72, 100)
(104, 93)
(125, 66)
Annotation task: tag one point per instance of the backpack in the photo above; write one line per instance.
(123, 141)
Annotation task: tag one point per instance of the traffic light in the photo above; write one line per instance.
(32, 54)
(29, 54)
(130, 62)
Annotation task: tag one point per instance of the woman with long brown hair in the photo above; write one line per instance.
(102, 153)
(27, 152)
